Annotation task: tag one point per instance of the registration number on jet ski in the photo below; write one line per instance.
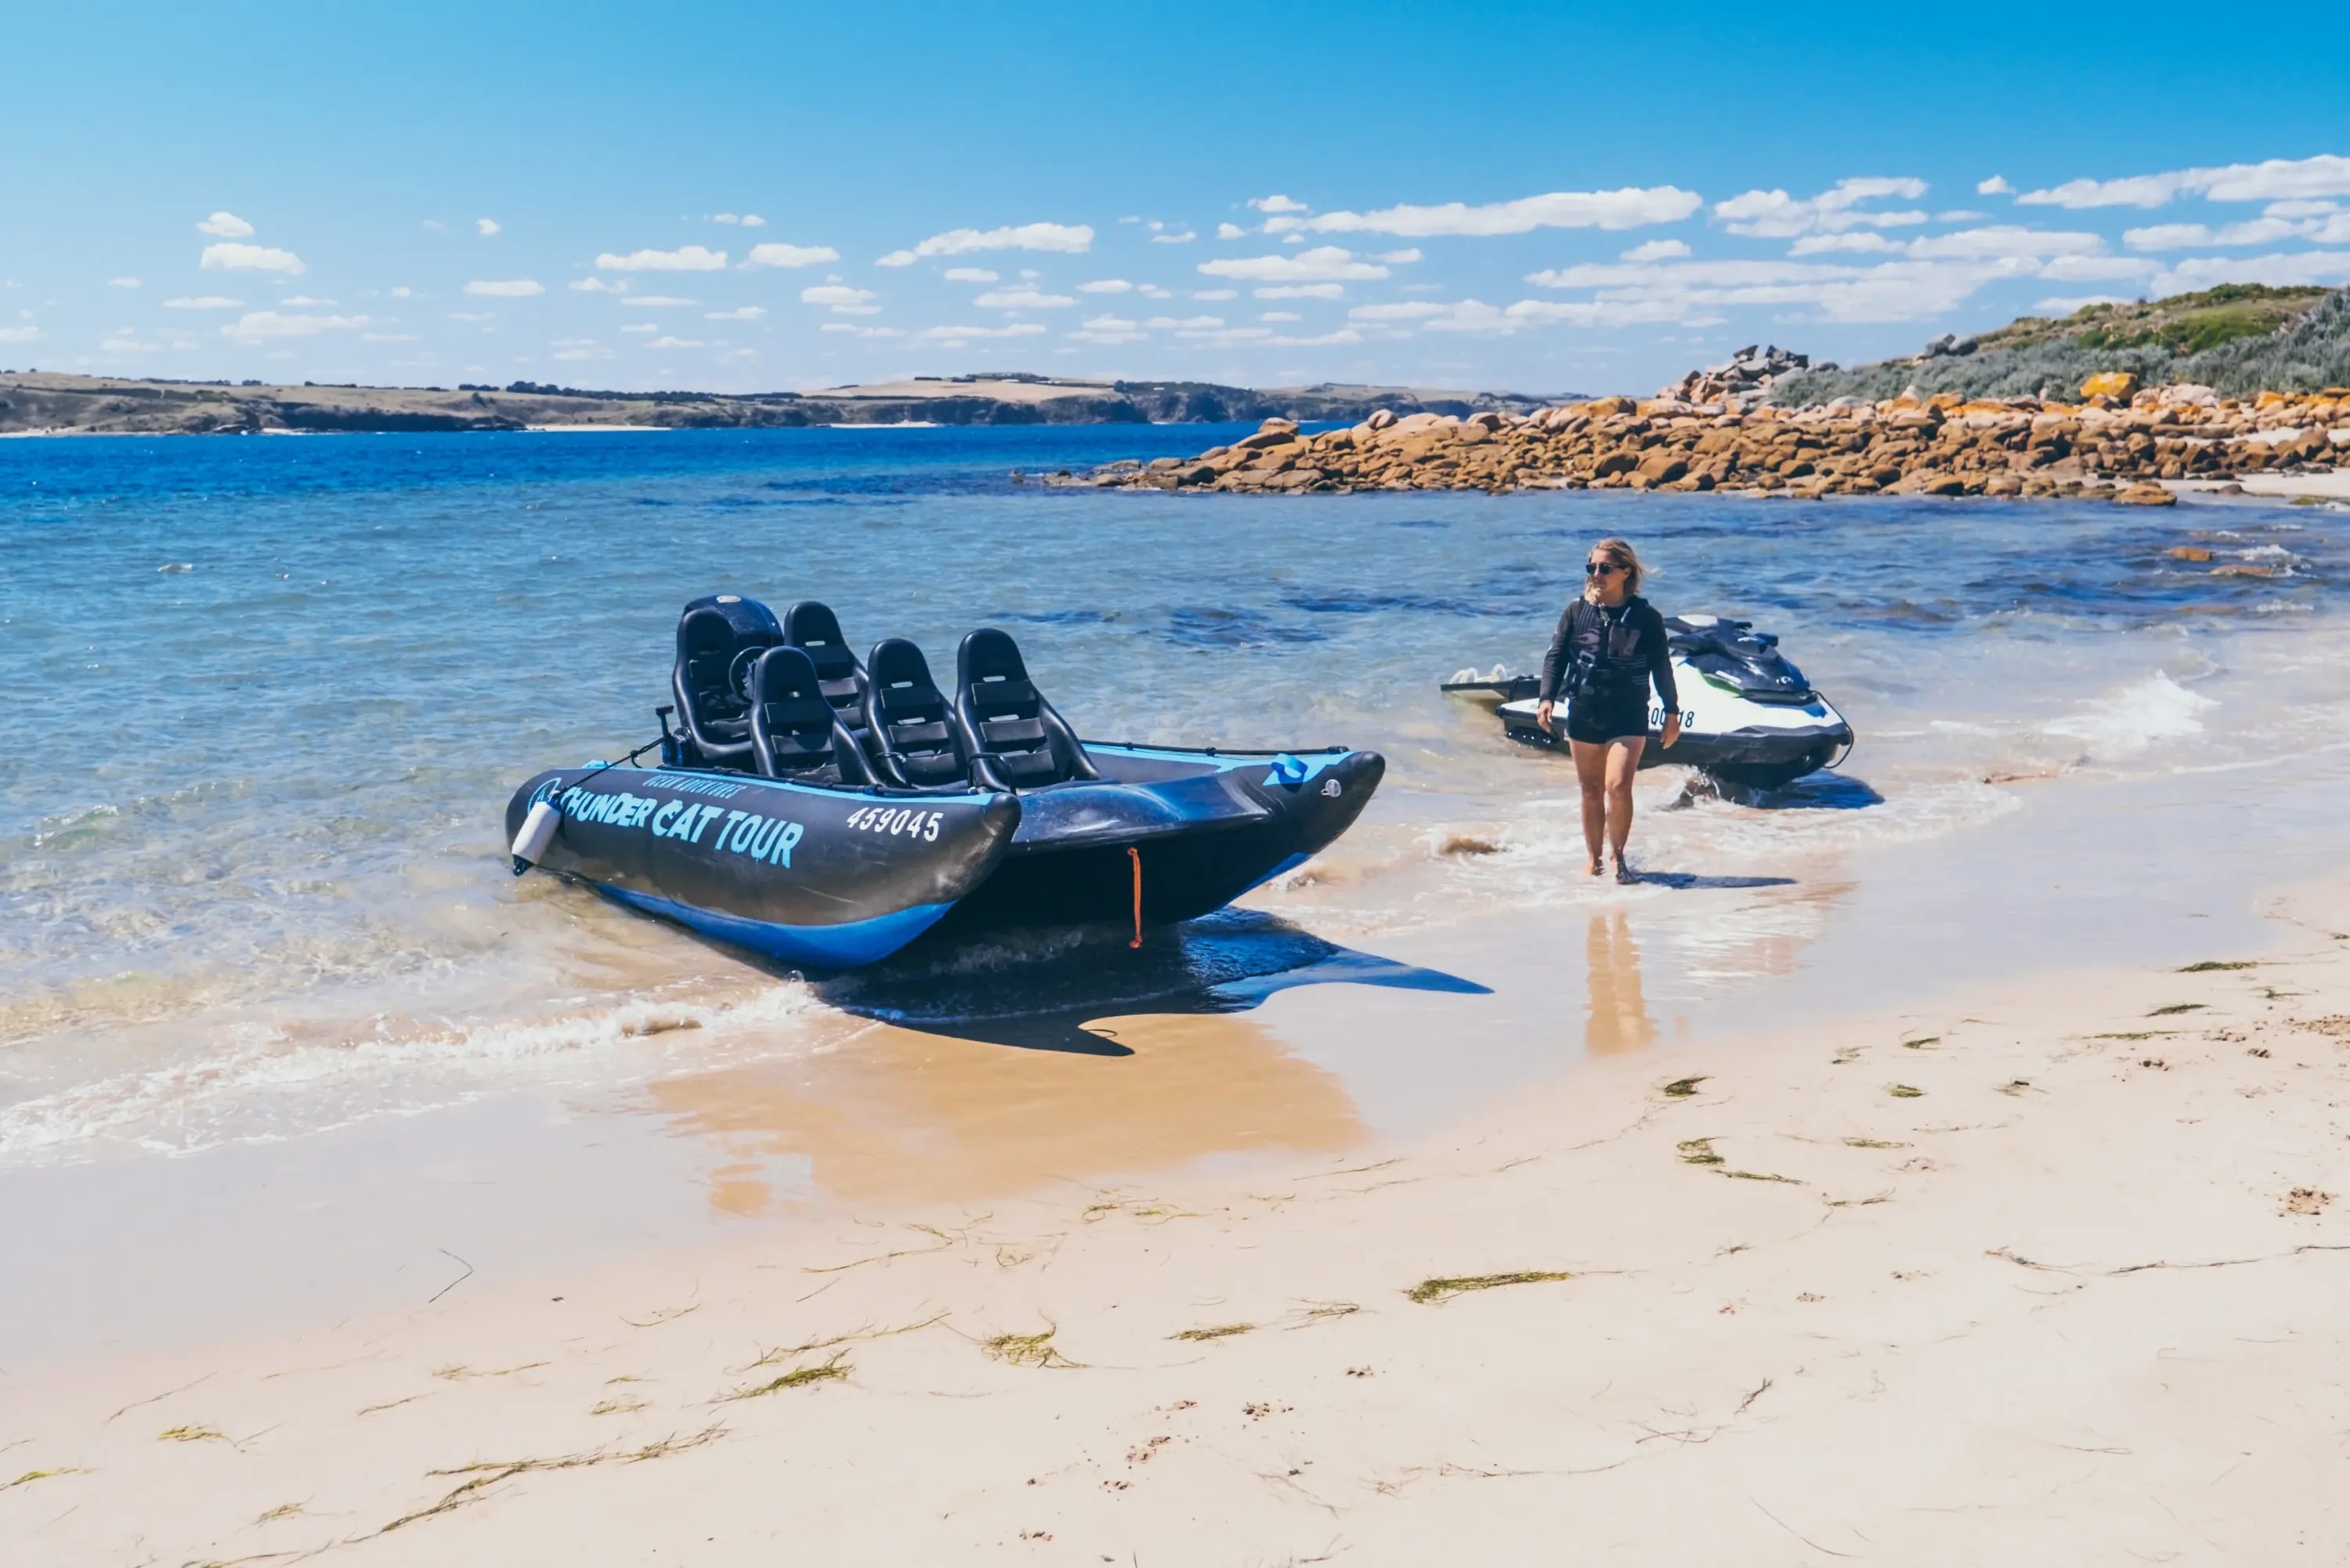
(922, 824)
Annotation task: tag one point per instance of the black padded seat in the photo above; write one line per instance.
(714, 634)
(796, 733)
(814, 629)
(1011, 731)
(909, 729)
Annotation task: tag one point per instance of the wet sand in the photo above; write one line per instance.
(2043, 1271)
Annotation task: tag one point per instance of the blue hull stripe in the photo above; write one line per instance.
(850, 945)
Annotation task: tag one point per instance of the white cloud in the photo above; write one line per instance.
(1624, 208)
(1277, 204)
(1067, 237)
(202, 302)
(1280, 316)
(229, 256)
(225, 226)
(1109, 330)
(1904, 289)
(2300, 208)
(401, 292)
(20, 335)
(1322, 264)
(1215, 294)
(685, 258)
(2004, 240)
(597, 286)
(1343, 335)
(2278, 179)
(2184, 236)
(774, 254)
(1152, 291)
(676, 343)
(971, 274)
(123, 340)
(1861, 242)
(642, 327)
(1404, 257)
(2067, 304)
(1185, 323)
(2327, 267)
(305, 301)
(1774, 215)
(740, 312)
(504, 288)
(472, 316)
(122, 282)
(1398, 310)
(2095, 269)
(1656, 250)
(1104, 285)
(841, 300)
(577, 349)
(747, 219)
(944, 334)
(1996, 185)
(255, 326)
(1021, 299)
(387, 336)
(1231, 232)
(1180, 237)
(855, 330)
(660, 301)
(485, 227)
(1304, 291)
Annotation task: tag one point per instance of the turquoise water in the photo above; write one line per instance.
(268, 698)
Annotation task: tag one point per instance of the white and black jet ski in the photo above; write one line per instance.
(1749, 717)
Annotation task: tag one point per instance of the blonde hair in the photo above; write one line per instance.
(1619, 551)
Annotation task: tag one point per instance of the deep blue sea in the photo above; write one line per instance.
(268, 697)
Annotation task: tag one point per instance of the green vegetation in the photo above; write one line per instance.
(1026, 1349)
(2208, 965)
(1902, 1091)
(800, 1377)
(2238, 338)
(1224, 1331)
(1699, 1151)
(2176, 1007)
(1443, 1290)
(1682, 1088)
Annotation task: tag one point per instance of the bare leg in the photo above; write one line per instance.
(1591, 773)
(1623, 760)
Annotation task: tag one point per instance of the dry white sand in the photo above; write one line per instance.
(2047, 1274)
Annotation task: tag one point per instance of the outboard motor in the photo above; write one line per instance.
(1732, 655)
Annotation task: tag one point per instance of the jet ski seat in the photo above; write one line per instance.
(1013, 733)
(911, 737)
(798, 734)
(714, 634)
(813, 628)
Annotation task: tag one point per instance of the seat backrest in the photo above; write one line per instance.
(794, 729)
(1002, 715)
(911, 732)
(814, 629)
(712, 633)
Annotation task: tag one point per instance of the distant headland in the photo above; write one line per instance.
(32, 402)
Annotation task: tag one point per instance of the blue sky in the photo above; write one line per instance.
(750, 197)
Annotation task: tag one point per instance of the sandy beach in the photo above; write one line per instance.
(2045, 1271)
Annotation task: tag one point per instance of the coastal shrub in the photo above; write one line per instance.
(2308, 351)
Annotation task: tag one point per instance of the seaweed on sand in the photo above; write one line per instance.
(1442, 1290)
(489, 1472)
(1682, 1088)
(798, 1377)
(1222, 1331)
(1026, 1349)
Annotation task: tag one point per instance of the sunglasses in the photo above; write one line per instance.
(1600, 568)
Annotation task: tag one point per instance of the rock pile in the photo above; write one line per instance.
(2117, 443)
(1740, 381)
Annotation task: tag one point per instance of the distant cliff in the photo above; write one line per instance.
(64, 404)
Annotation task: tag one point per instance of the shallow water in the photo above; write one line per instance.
(270, 696)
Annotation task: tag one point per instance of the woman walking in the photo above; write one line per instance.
(1609, 645)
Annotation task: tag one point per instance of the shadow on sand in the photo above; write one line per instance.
(1038, 989)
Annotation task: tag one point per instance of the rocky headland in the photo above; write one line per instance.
(1951, 420)
(36, 403)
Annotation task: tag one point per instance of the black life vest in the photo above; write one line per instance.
(1604, 658)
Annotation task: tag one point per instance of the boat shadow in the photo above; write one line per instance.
(1821, 791)
(1037, 990)
(1691, 881)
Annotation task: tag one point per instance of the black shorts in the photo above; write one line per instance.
(1599, 719)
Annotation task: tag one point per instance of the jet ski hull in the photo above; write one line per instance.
(837, 876)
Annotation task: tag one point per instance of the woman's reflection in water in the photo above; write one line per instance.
(1619, 1015)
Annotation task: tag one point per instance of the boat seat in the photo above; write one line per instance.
(713, 634)
(796, 734)
(815, 630)
(1015, 737)
(911, 733)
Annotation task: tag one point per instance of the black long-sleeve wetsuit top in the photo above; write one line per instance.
(1610, 654)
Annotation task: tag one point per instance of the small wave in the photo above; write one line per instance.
(2128, 721)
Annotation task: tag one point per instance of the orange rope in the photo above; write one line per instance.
(1135, 856)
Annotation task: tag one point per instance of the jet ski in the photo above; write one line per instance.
(825, 810)
(1749, 717)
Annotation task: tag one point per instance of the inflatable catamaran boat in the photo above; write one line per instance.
(826, 811)
(1749, 717)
